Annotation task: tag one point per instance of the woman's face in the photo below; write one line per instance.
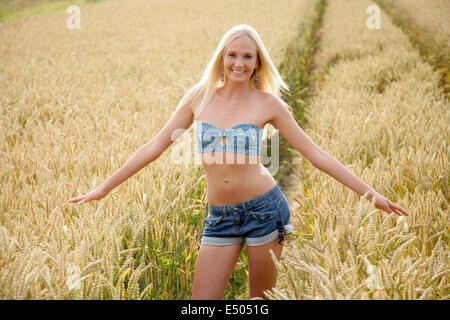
(241, 58)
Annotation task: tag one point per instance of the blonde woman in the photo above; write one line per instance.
(238, 94)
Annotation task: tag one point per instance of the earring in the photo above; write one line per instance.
(256, 80)
(222, 78)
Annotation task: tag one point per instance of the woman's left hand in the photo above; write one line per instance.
(388, 206)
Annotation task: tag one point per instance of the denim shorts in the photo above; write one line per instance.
(257, 222)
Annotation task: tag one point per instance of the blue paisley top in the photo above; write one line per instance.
(243, 138)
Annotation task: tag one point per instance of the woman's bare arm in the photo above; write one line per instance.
(151, 150)
(180, 121)
(283, 121)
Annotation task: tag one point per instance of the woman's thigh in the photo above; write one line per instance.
(214, 267)
(262, 270)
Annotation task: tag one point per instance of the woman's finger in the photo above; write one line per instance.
(75, 200)
(86, 199)
(402, 212)
(397, 208)
(393, 210)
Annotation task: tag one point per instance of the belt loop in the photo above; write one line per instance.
(224, 211)
(245, 208)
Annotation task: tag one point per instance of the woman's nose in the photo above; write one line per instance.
(238, 62)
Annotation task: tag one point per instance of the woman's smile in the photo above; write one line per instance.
(238, 72)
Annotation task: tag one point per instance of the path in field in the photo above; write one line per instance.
(380, 111)
(294, 188)
(76, 104)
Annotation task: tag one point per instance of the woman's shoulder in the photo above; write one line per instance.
(270, 101)
(262, 96)
(273, 106)
(267, 97)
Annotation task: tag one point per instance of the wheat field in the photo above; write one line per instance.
(381, 112)
(433, 18)
(76, 104)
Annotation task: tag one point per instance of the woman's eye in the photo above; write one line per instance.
(232, 55)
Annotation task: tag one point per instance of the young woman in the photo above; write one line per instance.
(239, 94)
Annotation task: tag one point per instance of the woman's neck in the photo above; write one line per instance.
(234, 93)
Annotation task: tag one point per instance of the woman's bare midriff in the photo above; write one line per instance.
(229, 184)
(234, 178)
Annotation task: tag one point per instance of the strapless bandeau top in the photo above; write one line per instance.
(243, 138)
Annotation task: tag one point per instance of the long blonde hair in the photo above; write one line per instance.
(270, 80)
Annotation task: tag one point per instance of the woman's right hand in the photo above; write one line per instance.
(96, 194)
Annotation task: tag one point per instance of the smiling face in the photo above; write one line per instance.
(241, 58)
